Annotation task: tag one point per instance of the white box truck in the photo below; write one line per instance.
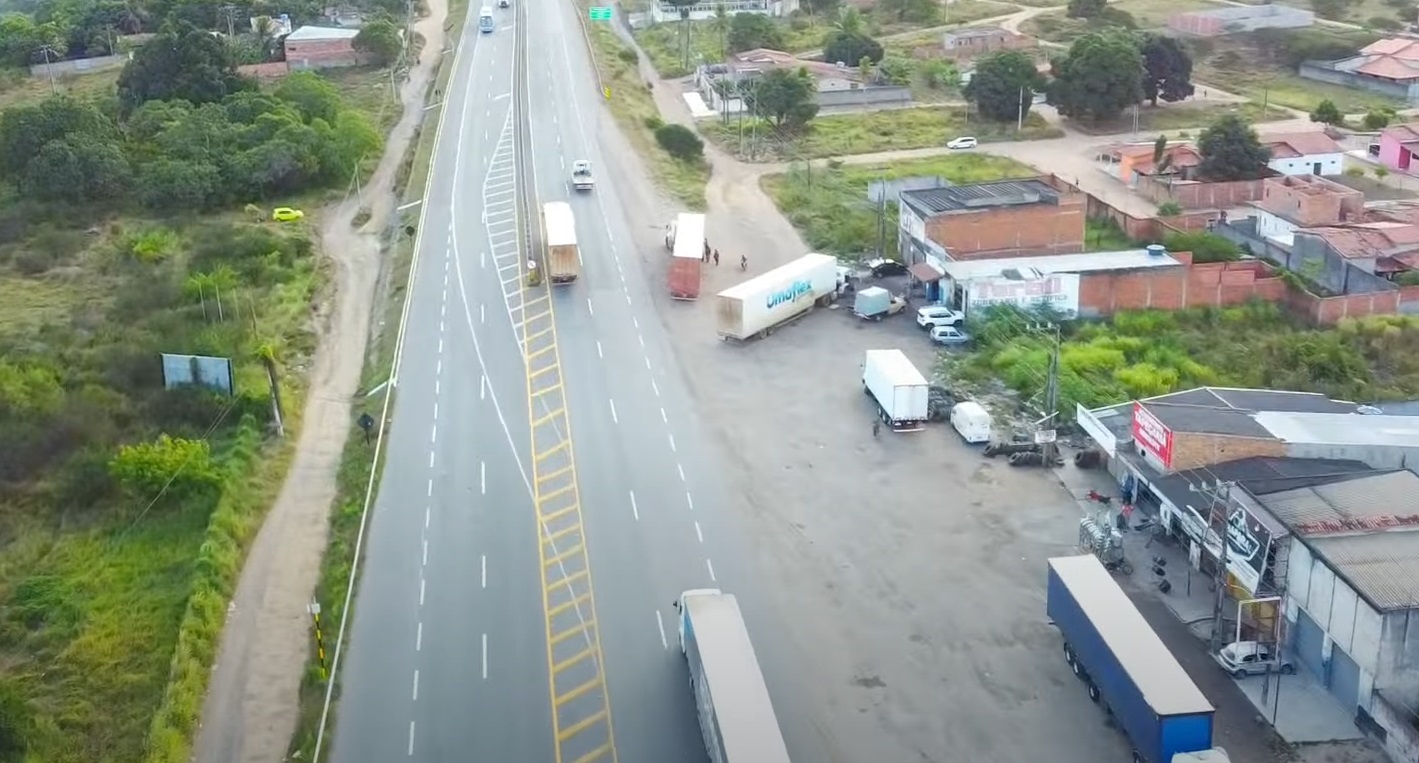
(899, 390)
(559, 231)
(765, 302)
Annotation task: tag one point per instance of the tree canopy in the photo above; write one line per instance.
(785, 98)
(1328, 113)
(379, 38)
(183, 64)
(1100, 77)
(1085, 9)
(1167, 69)
(851, 48)
(1003, 86)
(748, 31)
(1230, 150)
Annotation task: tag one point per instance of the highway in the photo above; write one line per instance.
(547, 492)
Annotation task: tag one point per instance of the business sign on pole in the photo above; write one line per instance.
(1151, 435)
(1057, 291)
(599, 13)
(1248, 545)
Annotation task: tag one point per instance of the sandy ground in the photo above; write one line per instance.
(252, 704)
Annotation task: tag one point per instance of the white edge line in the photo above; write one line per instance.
(379, 442)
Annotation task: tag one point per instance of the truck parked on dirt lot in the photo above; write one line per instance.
(685, 238)
(559, 231)
(765, 302)
(1124, 665)
(899, 390)
(736, 716)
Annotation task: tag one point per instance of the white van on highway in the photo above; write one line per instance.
(485, 20)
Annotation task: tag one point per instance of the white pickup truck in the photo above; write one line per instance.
(582, 179)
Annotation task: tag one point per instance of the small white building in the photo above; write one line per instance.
(1305, 153)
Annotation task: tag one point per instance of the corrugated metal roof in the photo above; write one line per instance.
(312, 33)
(975, 196)
(1382, 567)
(1207, 419)
(1364, 504)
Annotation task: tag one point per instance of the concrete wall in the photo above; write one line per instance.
(864, 96)
(1192, 450)
(1214, 284)
(1349, 623)
(79, 65)
(272, 70)
(321, 54)
(1401, 729)
(1323, 72)
(1196, 195)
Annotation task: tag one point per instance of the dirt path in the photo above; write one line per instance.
(252, 703)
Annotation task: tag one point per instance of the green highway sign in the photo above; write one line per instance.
(600, 13)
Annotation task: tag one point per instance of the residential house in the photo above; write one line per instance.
(973, 42)
(313, 47)
(837, 85)
(1390, 67)
(1304, 153)
(1398, 146)
(1006, 218)
(1290, 203)
(661, 12)
(1366, 254)
(1133, 162)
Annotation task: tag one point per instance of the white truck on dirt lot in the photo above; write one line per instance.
(898, 389)
(582, 179)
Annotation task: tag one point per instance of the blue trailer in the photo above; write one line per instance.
(1126, 667)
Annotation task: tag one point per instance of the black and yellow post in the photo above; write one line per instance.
(314, 610)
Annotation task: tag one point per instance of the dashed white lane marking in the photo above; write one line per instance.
(431, 487)
(613, 411)
(482, 386)
(411, 739)
(434, 435)
(421, 592)
(485, 652)
(425, 562)
(635, 322)
(483, 260)
(428, 513)
(681, 470)
(416, 684)
(482, 314)
(483, 569)
(689, 501)
(655, 387)
(710, 566)
(672, 442)
(659, 623)
(642, 340)
(438, 370)
(419, 637)
(635, 512)
(589, 308)
(698, 534)
(431, 459)
(628, 299)
(598, 350)
(663, 417)
(483, 477)
(647, 362)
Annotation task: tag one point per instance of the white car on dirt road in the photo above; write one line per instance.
(962, 142)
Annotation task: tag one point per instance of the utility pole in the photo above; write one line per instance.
(1046, 429)
(1020, 115)
(48, 51)
(882, 218)
(230, 12)
(1221, 494)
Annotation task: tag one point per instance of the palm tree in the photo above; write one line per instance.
(849, 21)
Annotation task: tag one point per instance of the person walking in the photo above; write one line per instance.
(743, 262)
(876, 427)
(716, 258)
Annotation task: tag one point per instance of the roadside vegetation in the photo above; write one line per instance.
(1262, 66)
(828, 203)
(1141, 354)
(630, 100)
(135, 220)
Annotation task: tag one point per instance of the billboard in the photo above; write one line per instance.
(1152, 436)
(186, 370)
(1057, 291)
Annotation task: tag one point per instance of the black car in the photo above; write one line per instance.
(884, 268)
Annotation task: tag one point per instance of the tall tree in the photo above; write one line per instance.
(187, 64)
(849, 21)
(851, 48)
(1100, 77)
(1003, 86)
(785, 98)
(379, 39)
(1167, 69)
(1231, 151)
(914, 11)
(748, 31)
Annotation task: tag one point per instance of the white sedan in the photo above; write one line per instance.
(960, 143)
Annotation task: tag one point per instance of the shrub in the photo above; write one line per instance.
(654, 122)
(170, 467)
(1205, 247)
(629, 55)
(1169, 209)
(680, 142)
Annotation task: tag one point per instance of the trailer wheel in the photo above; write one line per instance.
(1068, 655)
(1093, 692)
(1078, 669)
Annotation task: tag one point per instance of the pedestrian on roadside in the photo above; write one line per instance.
(716, 258)
(876, 427)
(743, 262)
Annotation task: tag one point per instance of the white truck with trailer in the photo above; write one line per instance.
(559, 232)
(763, 303)
(899, 390)
(736, 715)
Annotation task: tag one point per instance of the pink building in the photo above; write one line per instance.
(1398, 145)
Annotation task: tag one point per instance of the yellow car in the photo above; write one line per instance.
(286, 215)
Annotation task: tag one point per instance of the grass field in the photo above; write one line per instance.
(634, 108)
(1055, 26)
(829, 205)
(1186, 116)
(1359, 11)
(869, 132)
(1237, 69)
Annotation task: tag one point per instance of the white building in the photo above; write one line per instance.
(1305, 153)
(1352, 596)
(661, 12)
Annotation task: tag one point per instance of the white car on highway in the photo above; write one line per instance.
(963, 142)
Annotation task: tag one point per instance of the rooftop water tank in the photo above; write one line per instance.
(1156, 250)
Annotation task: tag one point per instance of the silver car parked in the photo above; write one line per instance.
(1249, 658)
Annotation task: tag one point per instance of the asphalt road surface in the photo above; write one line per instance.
(523, 412)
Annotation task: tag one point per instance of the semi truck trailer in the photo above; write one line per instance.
(559, 231)
(686, 241)
(1123, 664)
(736, 716)
(898, 389)
(763, 303)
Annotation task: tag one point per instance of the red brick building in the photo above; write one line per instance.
(313, 47)
(1006, 218)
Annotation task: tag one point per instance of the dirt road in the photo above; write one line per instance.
(252, 703)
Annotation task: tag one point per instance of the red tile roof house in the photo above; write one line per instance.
(1388, 66)
(1365, 255)
(1304, 153)
(1398, 146)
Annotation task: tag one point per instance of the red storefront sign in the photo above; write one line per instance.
(1152, 435)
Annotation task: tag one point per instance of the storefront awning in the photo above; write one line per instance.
(924, 272)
